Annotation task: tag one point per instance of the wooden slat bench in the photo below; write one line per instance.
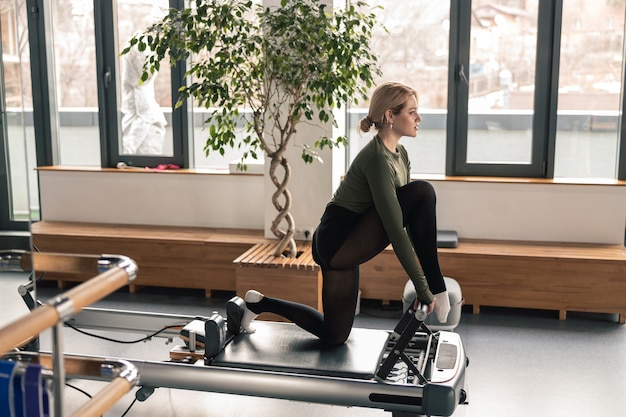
(178, 257)
(296, 279)
(552, 276)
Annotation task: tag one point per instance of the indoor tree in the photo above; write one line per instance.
(267, 69)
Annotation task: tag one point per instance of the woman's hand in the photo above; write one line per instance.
(431, 306)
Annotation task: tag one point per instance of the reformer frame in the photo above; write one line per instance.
(440, 352)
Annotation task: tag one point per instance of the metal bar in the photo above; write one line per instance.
(409, 363)
(427, 353)
(121, 373)
(58, 375)
(112, 277)
(289, 386)
(105, 399)
(339, 391)
(131, 321)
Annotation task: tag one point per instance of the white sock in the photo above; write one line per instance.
(252, 296)
(442, 306)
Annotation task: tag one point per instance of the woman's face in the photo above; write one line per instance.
(407, 122)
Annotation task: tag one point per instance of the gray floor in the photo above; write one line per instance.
(522, 362)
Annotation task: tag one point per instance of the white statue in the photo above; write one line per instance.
(143, 122)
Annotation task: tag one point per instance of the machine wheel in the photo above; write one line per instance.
(463, 397)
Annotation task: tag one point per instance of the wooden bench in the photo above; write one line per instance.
(557, 276)
(296, 279)
(179, 257)
(551, 276)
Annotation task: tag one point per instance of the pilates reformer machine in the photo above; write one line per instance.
(408, 371)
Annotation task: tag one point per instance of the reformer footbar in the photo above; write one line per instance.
(404, 332)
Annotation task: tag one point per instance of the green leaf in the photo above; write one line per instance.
(283, 65)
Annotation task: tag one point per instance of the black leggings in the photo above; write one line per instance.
(343, 241)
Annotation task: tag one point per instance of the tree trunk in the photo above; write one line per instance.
(287, 245)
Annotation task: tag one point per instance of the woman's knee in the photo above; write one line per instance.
(423, 189)
(416, 193)
(336, 337)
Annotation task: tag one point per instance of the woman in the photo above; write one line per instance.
(376, 204)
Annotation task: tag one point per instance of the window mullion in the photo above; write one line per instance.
(458, 88)
(183, 152)
(107, 71)
(41, 66)
(621, 162)
(547, 84)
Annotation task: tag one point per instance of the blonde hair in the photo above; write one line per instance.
(387, 96)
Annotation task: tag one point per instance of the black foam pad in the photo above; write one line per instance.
(285, 347)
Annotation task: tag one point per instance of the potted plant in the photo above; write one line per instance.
(268, 69)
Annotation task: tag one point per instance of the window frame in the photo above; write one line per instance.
(107, 66)
(44, 101)
(13, 233)
(6, 217)
(549, 27)
(544, 117)
(543, 131)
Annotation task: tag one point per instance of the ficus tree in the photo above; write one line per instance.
(267, 69)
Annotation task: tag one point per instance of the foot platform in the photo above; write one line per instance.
(209, 334)
(235, 309)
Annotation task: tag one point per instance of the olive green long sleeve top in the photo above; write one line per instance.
(372, 180)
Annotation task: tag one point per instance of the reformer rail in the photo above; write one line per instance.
(114, 272)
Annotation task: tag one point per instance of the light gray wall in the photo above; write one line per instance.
(475, 209)
(152, 198)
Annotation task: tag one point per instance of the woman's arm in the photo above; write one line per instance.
(381, 179)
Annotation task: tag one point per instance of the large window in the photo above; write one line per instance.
(138, 117)
(518, 88)
(555, 69)
(145, 107)
(414, 50)
(92, 112)
(138, 124)
(501, 80)
(76, 83)
(18, 183)
(100, 115)
(507, 87)
(590, 88)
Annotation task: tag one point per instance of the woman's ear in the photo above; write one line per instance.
(389, 116)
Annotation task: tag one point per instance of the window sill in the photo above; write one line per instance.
(521, 180)
(140, 170)
(433, 178)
